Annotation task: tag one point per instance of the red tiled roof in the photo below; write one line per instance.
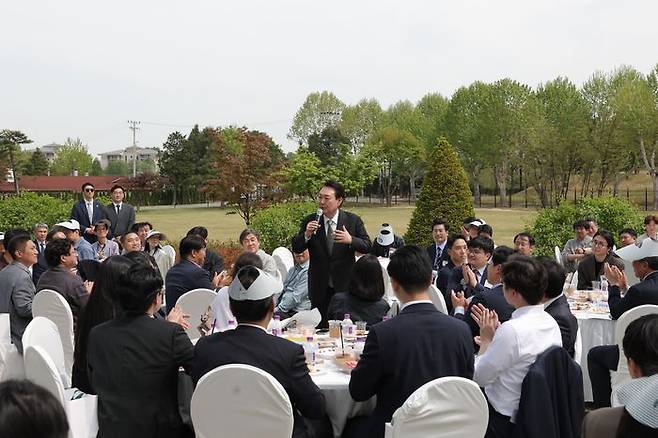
(61, 183)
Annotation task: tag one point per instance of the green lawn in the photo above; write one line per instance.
(225, 227)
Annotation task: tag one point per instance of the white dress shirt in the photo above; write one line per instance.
(411, 303)
(334, 219)
(515, 346)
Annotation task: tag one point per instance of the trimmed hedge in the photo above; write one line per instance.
(445, 194)
(554, 226)
(27, 209)
(277, 224)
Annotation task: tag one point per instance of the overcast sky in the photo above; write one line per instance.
(83, 68)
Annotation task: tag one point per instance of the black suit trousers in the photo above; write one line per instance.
(600, 361)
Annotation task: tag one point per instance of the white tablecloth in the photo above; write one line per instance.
(340, 405)
(595, 329)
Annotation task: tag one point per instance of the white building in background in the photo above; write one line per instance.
(128, 155)
(49, 150)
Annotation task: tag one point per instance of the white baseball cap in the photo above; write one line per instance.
(646, 248)
(386, 236)
(154, 233)
(263, 287)
(69, 225)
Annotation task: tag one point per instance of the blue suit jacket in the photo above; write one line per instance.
(79, 213)
(402, 354)
(184, 277)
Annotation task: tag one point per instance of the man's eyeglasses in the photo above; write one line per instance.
(89, 190)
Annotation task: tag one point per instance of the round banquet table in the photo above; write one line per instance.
(595, 329)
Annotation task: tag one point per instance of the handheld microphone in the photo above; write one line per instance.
(319, 215)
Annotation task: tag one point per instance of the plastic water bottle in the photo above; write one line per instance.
(347, 326)
(276, 326)
(309, 351)
(604, 289)
(232, 324)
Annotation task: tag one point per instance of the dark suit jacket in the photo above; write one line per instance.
(450, 278)
(79, 213)
(124, 222)
(552, 402)
(586, 270)
(492, 299)
(431, 252)
(339, 263)
(281, 358)
(133, 367)
(359, 309)
(183, 277)
(402, 354)
(644, 292)
(40, 266)
(214, 263)
(561, 313)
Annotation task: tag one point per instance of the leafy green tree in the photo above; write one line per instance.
(96, 169)
(327, 146)
(303, 174)
(467, 129)
(146, 166)
(245, 176)
(561, 149)
(72, 156)
(360, 121)
(175, 162)
(10, 146)
(37, 164)
(432, 108)
(636, 105)
(605, 134)
(444, 194)
(395, 151)
(318, 112)
(118, 168)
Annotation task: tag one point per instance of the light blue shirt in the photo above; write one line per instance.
(295, 290)
(84, 249)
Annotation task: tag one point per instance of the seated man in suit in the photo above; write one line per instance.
(556, 304)
(446, 279)
(214, 263)
(16, 286)
(471, 277)
(507, 350)
(490, 295)
(438, 251)
(419, 345)
(62, 259)
(603, 359)
(188, 274)
(41, 265)
(250, 296)
(637, 417)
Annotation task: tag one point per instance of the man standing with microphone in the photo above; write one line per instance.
(332, 236)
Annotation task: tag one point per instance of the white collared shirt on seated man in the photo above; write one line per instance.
(504, 361)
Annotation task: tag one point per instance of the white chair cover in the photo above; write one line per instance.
(81, 413)
(622, 374)
(52, 305)
(558, 255)
(437, 299)
(195, 303)
(388, 289)
(11, 361)
(240, 401)
(43, 332)
(450, 407)
(574, 279)
(284, 261)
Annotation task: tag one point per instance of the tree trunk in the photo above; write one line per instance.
(175, 196)
(500, 173)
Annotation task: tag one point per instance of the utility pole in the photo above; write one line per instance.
(133, 127)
